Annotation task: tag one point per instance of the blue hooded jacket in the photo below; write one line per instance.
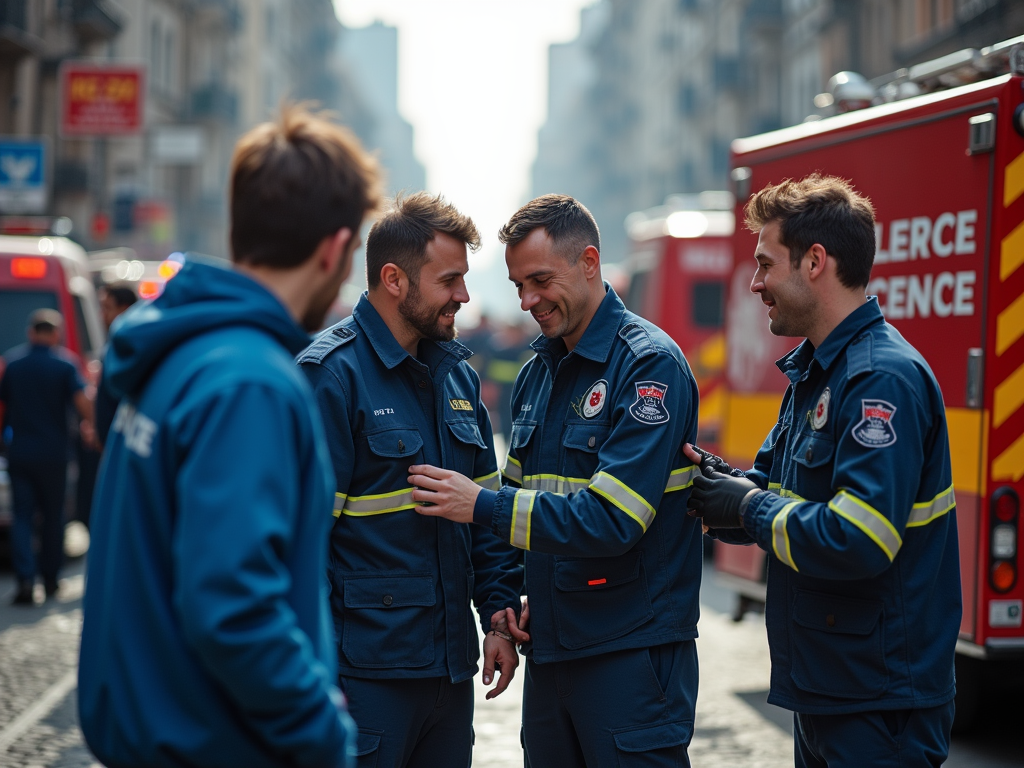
(207, 638)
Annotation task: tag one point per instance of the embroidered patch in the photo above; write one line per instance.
(649, 407)
(593, 401)
(875, 429)
(460, 405)
(820, 415)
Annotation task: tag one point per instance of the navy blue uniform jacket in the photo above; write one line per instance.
(401, 583)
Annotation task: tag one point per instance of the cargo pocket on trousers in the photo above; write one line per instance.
(837, 646)
(600, 598)
(653, 746)
(389, 621)
(367, 748)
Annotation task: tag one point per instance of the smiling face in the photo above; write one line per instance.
(432, 300)
(551, 289)
(782, 287)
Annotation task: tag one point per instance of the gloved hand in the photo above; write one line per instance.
(717, 463)
(719, 499)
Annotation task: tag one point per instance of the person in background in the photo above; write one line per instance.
(206, 639)
(40, 385)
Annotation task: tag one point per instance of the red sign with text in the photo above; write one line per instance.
(101, 99)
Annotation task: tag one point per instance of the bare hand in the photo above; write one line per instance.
(451, 495)
(499, 654)
(505, 621)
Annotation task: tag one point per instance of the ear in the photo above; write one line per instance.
(393, 280)
(815, 260)
(591, 259)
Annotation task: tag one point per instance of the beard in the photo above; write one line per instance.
(424, 319)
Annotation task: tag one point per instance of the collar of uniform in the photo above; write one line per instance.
(795, 364)
(596, 342)
(387, 347)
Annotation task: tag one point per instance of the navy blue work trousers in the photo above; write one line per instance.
(901, 738)
(411, 723)
(632, 707)
(38, 487)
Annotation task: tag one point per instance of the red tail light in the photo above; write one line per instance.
(28, 268)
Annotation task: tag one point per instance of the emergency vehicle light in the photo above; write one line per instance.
(1005, 511)
(28, 268)
(1003, 576)
(150, 289)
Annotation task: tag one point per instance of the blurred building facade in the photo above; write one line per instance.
(645, 103)
(213, 69)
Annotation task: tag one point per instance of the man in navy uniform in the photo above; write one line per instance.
(851, 495)
(394, 389)
(596, 494)
(40, 385)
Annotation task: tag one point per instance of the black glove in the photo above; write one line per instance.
(715, 463)
(720, 500)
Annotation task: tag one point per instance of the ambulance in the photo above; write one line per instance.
(678, 267)
(945, 172)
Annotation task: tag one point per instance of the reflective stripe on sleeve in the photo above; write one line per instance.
(623, 497)
(522, 512)
(784, 492)
(555, 484)
(491, 482)
(339, 503)
(780, 536)
(682, 478)
(378, 503)
(513, 471)
(872, 522)
(926, 511)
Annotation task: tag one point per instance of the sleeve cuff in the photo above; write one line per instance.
(483, 510)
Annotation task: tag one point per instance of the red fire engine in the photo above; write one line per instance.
(945, 171)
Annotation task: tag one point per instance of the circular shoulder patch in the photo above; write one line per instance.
(593, 401)
(820, 415)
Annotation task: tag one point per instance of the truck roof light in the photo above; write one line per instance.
(28, 268)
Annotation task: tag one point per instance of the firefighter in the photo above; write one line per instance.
(394, 389)
(596, 493)
(851, 495)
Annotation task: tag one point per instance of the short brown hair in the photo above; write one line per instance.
(400, 236)
(293, 183)
(820, 209)
(567, 221)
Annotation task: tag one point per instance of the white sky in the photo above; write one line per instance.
(473, 82)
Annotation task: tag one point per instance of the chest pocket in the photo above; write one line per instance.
(384, 467)
(813, 464)
(467, 441)
(395, 443)
(580, 446)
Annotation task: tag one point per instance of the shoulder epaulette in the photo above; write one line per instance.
(638, 339)
(326, 343)
(858, 356)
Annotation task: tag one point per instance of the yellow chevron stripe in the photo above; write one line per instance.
(1010, 322)
(1013, 180)
(1011, 252)
(1009, 465)
(1009, 396)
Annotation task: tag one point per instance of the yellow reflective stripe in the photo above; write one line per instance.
(555, 484)
(339, 503)
(491, 482)
(680, 479)
(522, 512)
(872, 522)
(780, 536)
(623, 497)
(513, 471)
(926, 511)
(775, 488)
(784, 492)
(379, 503)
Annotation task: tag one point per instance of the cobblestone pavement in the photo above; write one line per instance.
(734, 727)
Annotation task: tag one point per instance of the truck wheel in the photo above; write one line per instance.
(968, 694)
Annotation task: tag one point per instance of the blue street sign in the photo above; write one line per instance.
(23, 186)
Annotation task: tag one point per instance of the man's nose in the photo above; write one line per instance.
(529, 300)
(461, 294)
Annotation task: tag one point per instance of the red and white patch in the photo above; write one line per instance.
(593, 401)
(820, 415)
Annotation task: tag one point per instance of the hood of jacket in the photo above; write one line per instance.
(202, 297)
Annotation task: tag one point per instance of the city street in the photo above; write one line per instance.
(735, 727)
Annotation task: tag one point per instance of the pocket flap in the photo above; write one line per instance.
(467, 432)
(389, 592)
(654, 737)
(814, 450)
(834, 613)
(366, 743)
(395, 443)
(594, 573)
(521, 433)
(585, 437)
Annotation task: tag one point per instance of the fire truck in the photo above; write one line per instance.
(945, 172)
(678, 265)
